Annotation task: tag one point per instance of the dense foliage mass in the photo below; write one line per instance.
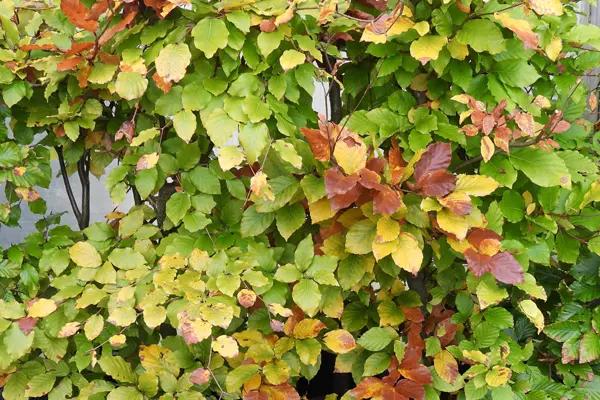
(436, 230)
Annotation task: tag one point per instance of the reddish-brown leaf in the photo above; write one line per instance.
(267, 25)
(97, 9)
(437, 183)
(411, 389)
(386, 201)
(367, 388)
(446, 331)
(458, 203)
(396, 163)
(479, 264)
(35, 46)
(161, 83)
(506, 268)
(391, 393)
(470, 130)
(420, 374)
(78, 15)
(437, 156)
(126, 130)
(78, 47)
(337, 183)
(480, 237)
(413, 314)
(525, 123)
(342, 201)
(128, 16)
(318, 142)
(488, 124)
(369, 179)
(26, 324)
(376, 165)
(69, 64)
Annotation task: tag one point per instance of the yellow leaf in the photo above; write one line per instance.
(427, 48)
(117, 340)
(85, 255)
(533, 313)
(69, 329)
(226, 346)
(382, 250)
(198, 259)
(475, 356)
(93, 327)
(41, 308)
(498, 376)
(452, 223)
(387, 230)
(351, 153)
(291, 59)
(547, 7)
(320, 210)
(554, 48)
(154, 315)
(476, 185)
(278, 309)
(260, 187)
(422, 28)
(431, 204)
(172, 62)
(229, 157)
(340, 341)
(394, 26)
(446, 366)
(408, 254)
(193, 330)
(308, 328)
(458, 50)
(487, 148)
(521, 28)
(147, 161)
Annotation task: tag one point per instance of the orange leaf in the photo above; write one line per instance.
(78, 15)
(69, 64)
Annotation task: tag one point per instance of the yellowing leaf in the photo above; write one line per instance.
(291, 59)
(93, 327)
(533, 313)
(41, 308)
(374, 33)
(351, 154)
(69, 329)
(172, 62)
(547, 7)
(320, 210)
(521, 28)
(260, 187)
(117, 340)
(487, 148)
(340, 341)
(408, 255)
(193, 330)
(387, 230)
(147, 161)
(475, 356)
(554, 48)
(476, 185)
(498, 376)
(452, 223)
(85, 255)
(308, 328)
(458, 50)
(422, 28)
(446, 366)
(154, 315)
(229, 157)
(384, 249)
(225, 346)
(427, 48)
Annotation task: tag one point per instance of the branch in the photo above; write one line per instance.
(83, 170)
(65, 175)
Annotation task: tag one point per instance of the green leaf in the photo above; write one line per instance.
(255, 223)
(377, 339)
(126, 258)
(512, 206)
(16, 342)
(15, 387)
(117, 368)
(543, 168)
(172, 62)
(239, 375)
(210, 35)
(589, 347)
(39, 385)
(288, 153)
(501, 170)
(145, 182)
(177, 206)
(184, 123)
(268, 41)
(307, 296)
(205, 180)
(376, 364)
(125, 393)
(289, 219)
(517, 73)
(130, 85)
(254, 139)
(219, 126)
(359, 238)
(291, 59)
(304, 253)
(482, 35)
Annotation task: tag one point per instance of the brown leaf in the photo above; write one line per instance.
(78, 15)
(337, 183)
(369, 179)
(506, 268)
(411, 389)
(128, 16)
(78, 47)
(525, 123)
(386, 201)
(267, 25)
(345, 200)
(436, 183)
(396, 163)
(69, 64)
(437, 156)
(318, 142)
(161, 83)
(126, 130)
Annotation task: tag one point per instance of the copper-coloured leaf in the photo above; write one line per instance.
(337, 183)
(436, 183)
(386, 201)
(318, 142)
(506, 268)
(78, 15)
(437, 156)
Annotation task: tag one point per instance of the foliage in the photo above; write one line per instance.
(437, 230)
